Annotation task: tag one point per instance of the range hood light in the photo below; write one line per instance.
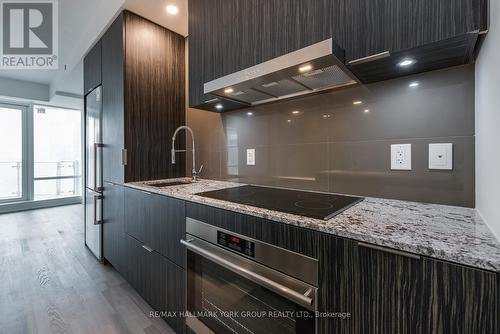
(414, 84)
(357, 102)
(367, 111)
(228, 90)
(249, 113)
(219, 106)
(295, 112)
(271, 84)
(406, 62)
(305, 68)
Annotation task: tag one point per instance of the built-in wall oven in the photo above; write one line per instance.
(236, 284)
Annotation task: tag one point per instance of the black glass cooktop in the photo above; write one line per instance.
(303, 203)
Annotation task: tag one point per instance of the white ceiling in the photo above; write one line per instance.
(81, 23)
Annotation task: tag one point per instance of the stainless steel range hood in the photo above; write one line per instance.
(313, 69)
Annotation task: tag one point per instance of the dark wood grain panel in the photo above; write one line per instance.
(375, 26)
(458, 299)
(337, 288)
(175, 299)
(92, 68)
(114, 227)
(290, 237)
(168, 227)
(154, 98)
(388, 293)
(158, 222)
(113, 118)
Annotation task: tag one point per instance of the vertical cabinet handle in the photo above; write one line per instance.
(96, 220)
(124, 156)
(97, 188)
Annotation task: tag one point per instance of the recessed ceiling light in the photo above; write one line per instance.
(367, 110)
(326, 116)
(406, 62)
(357, 102)
(295, 112)
(172, 9)
(414, 84)
(219, 106)
(305, 68)
(289, 120)
(249, 113)
(228, 91)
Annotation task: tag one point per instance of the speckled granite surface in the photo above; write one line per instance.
(445, 232)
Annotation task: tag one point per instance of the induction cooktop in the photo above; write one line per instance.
(303, 203)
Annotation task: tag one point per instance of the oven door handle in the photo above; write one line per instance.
(302, 299)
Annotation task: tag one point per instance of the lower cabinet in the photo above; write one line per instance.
(113, 234)
(157, 280)
(403, 293)
(158, 221)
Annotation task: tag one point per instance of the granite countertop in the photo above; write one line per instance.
(449, 233)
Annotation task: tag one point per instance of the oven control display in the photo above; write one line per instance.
(237, 244)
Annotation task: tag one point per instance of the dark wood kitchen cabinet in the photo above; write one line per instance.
(92, 68)
(113, 234)
(375, 26)
(157, 221)
(143, 99)
(434, 34)
(404, 293)
(157, 280)
(226, 36)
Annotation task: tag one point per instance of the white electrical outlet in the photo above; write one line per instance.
(251, 157)
(441, 156)
(401, 157)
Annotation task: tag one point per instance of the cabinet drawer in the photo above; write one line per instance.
(157, 280)
(157, 221)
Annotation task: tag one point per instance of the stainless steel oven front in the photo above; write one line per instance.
(237, 284)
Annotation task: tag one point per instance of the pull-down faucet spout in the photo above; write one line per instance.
(194, 173)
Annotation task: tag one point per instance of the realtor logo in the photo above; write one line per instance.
(29, 34)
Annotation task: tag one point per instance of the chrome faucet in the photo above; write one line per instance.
(194, 173)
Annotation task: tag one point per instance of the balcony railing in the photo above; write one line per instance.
(52, 179)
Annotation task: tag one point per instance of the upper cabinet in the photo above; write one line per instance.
(227, 36)
(432, 34)
(92, 69)
(143, 99)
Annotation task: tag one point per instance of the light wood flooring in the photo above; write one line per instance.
(51, 283)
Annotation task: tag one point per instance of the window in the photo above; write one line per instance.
(12, 172)
(40, 155)
(57, 138)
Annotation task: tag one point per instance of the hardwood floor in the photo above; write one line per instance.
(51, 283)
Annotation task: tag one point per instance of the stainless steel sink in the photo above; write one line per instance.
(168, 184)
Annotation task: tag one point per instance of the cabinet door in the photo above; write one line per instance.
(138, 267)
(112, 104)
(92, 68)
(375, 26)
(168, 227)
(173, 285)
(113, 227)
(458, 299)
(139, 210)
(388, 293)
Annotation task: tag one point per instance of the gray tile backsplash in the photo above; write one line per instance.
(326, 143)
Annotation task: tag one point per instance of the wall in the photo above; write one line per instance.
(332, 145)
(488, 124)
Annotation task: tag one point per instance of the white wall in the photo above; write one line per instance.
(488, 124)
